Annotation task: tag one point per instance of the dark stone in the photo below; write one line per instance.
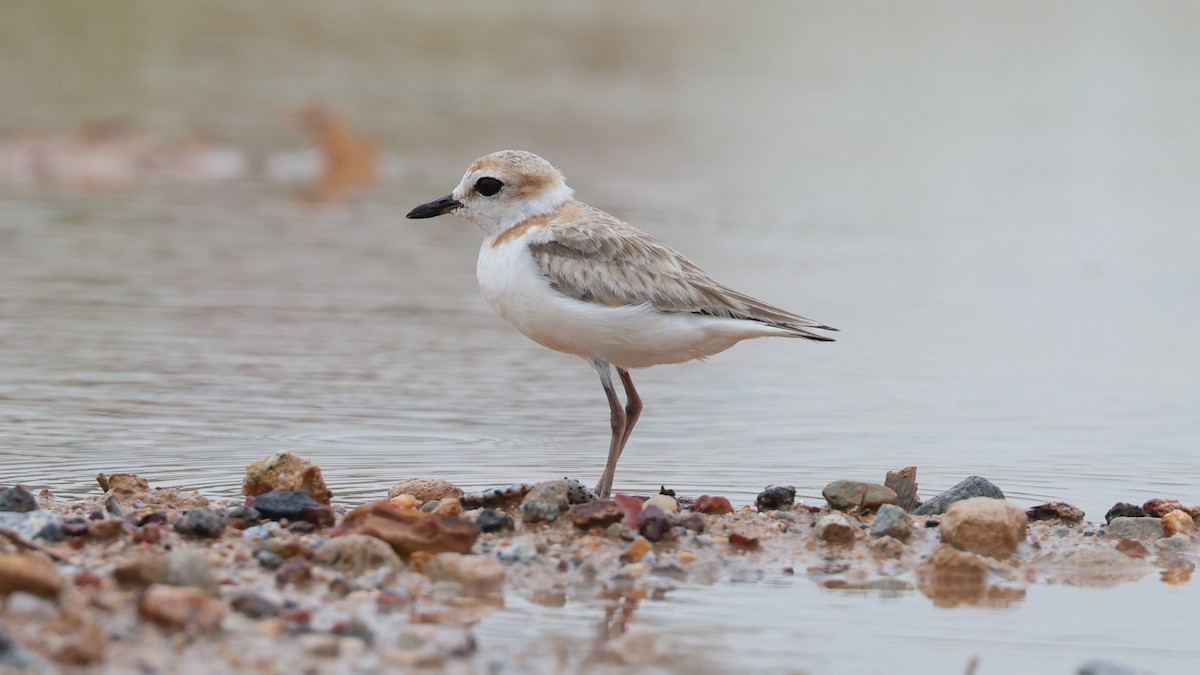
(113, 505)
(255, 606)
(269, 559)
(17, 499)
(600, 513)
(51, 532)
(75, 527)
(664, 490)
(302, 527)
(491, 520)
(96, 514)
(1055, 511)
(498, 496)
(201, 522)
(775, 497)
(932, 523)
(690, 521)
(653, 523)
(156, 517)
(247, 514)
(973, 486)
(290, 504)
(1124, 510)
(904, 483)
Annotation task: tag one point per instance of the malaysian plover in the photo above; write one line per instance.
(578, 280)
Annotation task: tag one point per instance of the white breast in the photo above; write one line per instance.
(627, 337)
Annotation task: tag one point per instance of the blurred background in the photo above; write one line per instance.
(203, 259)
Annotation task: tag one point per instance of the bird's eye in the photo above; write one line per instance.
(488, 186)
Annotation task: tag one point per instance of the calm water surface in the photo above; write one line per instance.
(1006, 237)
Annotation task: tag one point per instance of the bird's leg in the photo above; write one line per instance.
(617, 417)
(633, 407)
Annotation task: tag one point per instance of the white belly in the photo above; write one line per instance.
(627, 337)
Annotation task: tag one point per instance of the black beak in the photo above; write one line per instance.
(435, 208)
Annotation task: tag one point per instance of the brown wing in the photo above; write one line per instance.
(597, 258)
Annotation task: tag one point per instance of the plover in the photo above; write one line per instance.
(578, 280)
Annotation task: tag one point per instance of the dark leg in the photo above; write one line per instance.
(617, 417)
(633, 407)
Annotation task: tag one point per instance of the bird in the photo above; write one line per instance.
(578, 280)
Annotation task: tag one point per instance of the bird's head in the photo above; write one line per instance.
(501, 190)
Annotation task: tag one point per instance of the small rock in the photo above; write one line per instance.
(28, 573)
(1158, 508)
(1124, 510)
(537, 511)
(17, 499)
(1126, 527)
(448, 507)
(269, 559)
(631, 506)
(320, 644)
(1055, 511)
(356, 554)
(255, 606)
(637, 550)
(521, 550)
(245, 516)
(739, 540)
(264, 531)
(600, 513)
(285, 472)
(296, 570)
(694, 522)
(578, 493)
(844, 495)
(125, 486)
(407, 502)
(471, 570)
(892, 521)
(904, 484)
(972, 486)
(75, 527)
(991, 527)
(290, 504)
(506, 495)
(180, 608)
(1132, 548)
(34, 524)
(202, 523)
(1178, 522)
(113, 506)
(712, 505)
(775, 497)
(189, 568)
(666, 503)
(355, 629)
(653, 523)
(545, 501)
(104, 530)
(317, 516)
(491, 520)
(835, 528)
(425, 489)
(410, 531)
(141, 572)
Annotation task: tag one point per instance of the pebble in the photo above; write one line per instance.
(1126, 527)
(972, 486)
(269, 559)
(17, 499)
(498, 496)
(1124, 510)
(296, 570)
(545, 501)
(844, 495)
(181, 608)
(835, 528)
(537, 511)
(666, 503)
(1132, 548)
(410, 531)
(30, 574)
(904, 484)
(653, 523)
(892, 521)
(202, 523)
(188, 568)
(103, 530)
(521, 550)
(320, 644)
(637, 550)
(740, 540)
(694, 522)
(34, 524)
(447, 507)
(631, 506)
(254, 606)
(264, 531)
(983, 525)
(356, 554)
(1055, 511)
(290, 504)
(245, 516)
(491, 520)
(425, 489)
(1178, 522)
(471, 570)
(285, 472)
(712, 505)
(775, 497)
(1158, 508)
(75, 527)
(601, 513)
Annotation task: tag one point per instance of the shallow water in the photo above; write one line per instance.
(1005, 235)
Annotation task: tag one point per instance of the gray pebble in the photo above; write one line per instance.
(973, 486)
